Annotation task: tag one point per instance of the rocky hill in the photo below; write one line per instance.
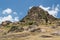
(37, 15)
(36, 25)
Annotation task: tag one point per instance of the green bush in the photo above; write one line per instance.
(30, 23)
(13, 28)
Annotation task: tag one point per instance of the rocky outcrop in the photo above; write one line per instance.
(16, 29)
(37, 15)
(56, 33)
(6, 23)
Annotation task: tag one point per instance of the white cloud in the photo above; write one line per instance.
(6, 18)
(8, 11)
(54, 10)
(30, 7)
(45, 8)
(15, 13)
(51, 10)
(16, 19)
(9, 18)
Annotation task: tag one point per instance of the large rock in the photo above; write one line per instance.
(43, 30)
(56, 33)
(30, 27)
(6, 23)
(53, 27)
(33, 28)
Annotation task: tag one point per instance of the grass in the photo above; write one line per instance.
(34, 36)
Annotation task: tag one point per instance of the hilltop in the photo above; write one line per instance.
(39, 16)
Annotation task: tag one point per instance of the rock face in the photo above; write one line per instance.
(16, 29)
(56, 33)
(6, 23)
(33, 28)
(36, 15)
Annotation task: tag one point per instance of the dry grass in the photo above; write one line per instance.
(35, 35)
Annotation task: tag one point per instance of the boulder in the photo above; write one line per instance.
(54, 27)
(56, 33)
(31, 27)
(43, 30)
(16, 29)
(20, 29)
(35, 30)
(6, 23)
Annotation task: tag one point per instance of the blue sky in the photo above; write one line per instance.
(17, 9)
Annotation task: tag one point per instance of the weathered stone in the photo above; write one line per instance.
(58, 23)
(43, 30)
(6, 23)
(31, 27)
(56, 33)
(35, 30)
(16, 29)
(53, 27)
(20, 29)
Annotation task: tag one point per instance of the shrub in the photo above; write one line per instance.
(13, 28)
(30, 23)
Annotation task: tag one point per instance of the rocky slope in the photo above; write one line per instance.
(36, 25)
(38, 16)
